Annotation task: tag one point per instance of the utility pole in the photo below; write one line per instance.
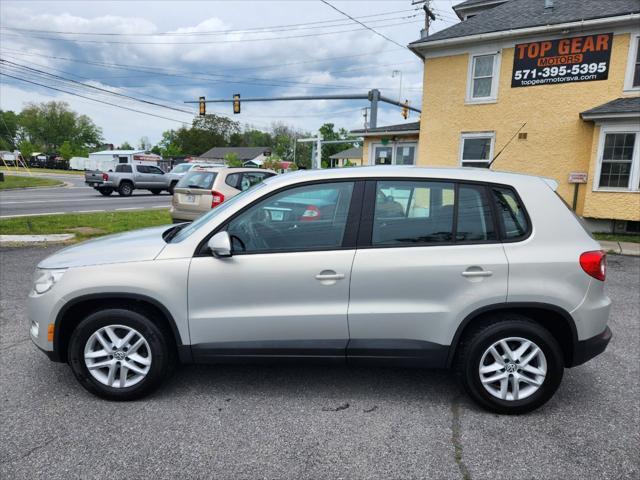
(394, 74)
(429, 16)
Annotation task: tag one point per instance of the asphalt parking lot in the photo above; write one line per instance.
(74, 197)
(314, 422)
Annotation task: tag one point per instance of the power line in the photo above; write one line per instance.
(148, 102)
(214, 32)
(360, 23)
(210, 42)
(92, 99)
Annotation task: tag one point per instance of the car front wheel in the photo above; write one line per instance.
(511, 365)
(119, 354)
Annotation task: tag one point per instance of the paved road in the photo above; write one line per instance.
(302, 422)
(75, 197)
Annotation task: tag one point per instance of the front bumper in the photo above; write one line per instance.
(591, 347)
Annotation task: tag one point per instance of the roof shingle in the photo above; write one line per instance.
(517, 14)
(619, 106)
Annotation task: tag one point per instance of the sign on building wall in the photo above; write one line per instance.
(566, 60)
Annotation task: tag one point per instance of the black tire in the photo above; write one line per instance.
(160, 353)
(476, 342)
(106, 191)
(171, 187)
(125, 189)
(156, 191)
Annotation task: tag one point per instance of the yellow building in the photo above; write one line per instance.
(543, 87)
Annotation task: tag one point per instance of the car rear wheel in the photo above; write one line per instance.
(106, 191)
(171, 187)
(119, 354)
(125, 189)
(510, 365)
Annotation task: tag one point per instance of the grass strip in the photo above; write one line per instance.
(12, 181)
(84, 225)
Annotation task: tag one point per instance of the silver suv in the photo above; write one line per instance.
(486, 273)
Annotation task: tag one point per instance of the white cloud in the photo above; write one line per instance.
(285, 66)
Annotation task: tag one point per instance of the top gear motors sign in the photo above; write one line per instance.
(566, 60)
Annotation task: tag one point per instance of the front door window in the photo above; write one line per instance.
(382, 155)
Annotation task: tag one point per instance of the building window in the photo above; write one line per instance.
(476, 149)
(632, 80)
(483, 78)
(394, 154)
(618, 159)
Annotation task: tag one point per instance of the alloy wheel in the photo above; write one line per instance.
(513, 368)
(117, 356)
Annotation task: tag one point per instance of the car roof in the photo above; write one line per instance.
(390, 171)
(220, 168)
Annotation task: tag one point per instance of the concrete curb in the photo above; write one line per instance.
(6, 240)
(621, 248)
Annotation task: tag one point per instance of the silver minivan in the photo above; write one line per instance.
(485, 273)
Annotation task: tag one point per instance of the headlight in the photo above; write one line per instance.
(44, 279)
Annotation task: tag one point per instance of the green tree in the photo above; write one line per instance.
(26, 149)
(272, 163)
(9, 128)
(51, 124)
(328, 133)
(232, 160)
(66, 150)
(126, 146)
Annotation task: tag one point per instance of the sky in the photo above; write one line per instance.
(168, 52)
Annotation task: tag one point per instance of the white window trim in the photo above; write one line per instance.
(635, 159)
(471, 135)
(393, 146)
(631, 63)
(495, 81)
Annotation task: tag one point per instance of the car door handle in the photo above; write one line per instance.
(477, 273)
(330, 276)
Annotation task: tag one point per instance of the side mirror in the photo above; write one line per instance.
(220, 245)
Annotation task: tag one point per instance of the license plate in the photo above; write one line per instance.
(190, 199)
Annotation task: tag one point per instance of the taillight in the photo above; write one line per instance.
(216, 199)
(595, 264)
(105, 177)
(311, 212)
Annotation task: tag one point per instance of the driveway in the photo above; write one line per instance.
(74, 197)
(300, 422)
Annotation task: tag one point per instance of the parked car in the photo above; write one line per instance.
(181, 169)
(206, 187)
(486, 273)
(127, 178)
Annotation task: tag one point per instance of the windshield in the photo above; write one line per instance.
(204, 219)
(198, 179)
(183, 167)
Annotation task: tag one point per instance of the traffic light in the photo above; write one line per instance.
(202, 107)
(405, 109)
(236, 103)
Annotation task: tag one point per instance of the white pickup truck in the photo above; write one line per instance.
(128, 177)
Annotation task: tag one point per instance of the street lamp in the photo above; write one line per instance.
(394, 74)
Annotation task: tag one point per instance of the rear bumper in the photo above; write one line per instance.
(587, 349)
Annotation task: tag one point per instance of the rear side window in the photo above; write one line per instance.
(409, 213)
(197, 179)
(475, 223)
(142, 169)
(511, 213)
(123, 168)
(233, 179)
